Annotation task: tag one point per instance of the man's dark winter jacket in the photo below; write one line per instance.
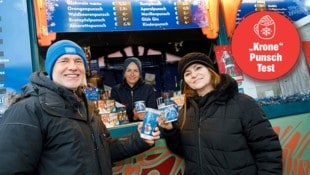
(51, 131)
(226, 133)
(127, 95)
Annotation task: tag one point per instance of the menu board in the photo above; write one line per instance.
(124, 15)
(293, 9)
(15, 54)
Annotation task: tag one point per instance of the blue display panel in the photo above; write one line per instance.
(124, 15)
(294, 9)
(15, 50)
(134, 15)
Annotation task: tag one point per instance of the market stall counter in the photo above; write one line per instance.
(157, 160)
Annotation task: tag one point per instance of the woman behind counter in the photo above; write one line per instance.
(133, 88)
(220, 131)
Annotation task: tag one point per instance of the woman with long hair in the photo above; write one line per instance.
(219, 130)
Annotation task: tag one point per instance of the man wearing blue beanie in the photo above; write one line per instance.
(60, 48)
(53, 129)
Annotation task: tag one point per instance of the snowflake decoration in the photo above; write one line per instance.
(50, 8)
(266, 31)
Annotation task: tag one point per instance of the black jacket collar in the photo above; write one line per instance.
(227, 88)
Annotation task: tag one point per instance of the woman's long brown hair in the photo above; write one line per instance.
(189, 92)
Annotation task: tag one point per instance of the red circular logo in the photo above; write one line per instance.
(265, 45)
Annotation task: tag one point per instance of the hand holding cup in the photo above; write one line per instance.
(149, 122)
(155, 133)
(138, 115)
(163, 123)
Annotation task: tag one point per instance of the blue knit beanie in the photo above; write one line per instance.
(136, 61)
(60, 48)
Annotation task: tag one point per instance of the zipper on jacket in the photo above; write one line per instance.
(132, 103)
(95, 145)
(199, 143)
(93, 137)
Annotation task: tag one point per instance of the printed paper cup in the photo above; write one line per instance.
(140, 106)
(170, 111)
(149, 122)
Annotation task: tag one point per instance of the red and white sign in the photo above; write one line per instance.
(265, 45)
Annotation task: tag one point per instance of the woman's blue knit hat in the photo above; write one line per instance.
(136, 61)
(60, 48)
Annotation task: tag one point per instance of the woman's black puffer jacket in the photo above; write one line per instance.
(226, 133)
(51, 131)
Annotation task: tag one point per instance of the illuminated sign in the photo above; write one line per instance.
(15, 54)
(107, 15)
(295, 10)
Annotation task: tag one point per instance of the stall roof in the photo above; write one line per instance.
(104, 43)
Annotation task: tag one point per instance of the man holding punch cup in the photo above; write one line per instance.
(53, 129)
